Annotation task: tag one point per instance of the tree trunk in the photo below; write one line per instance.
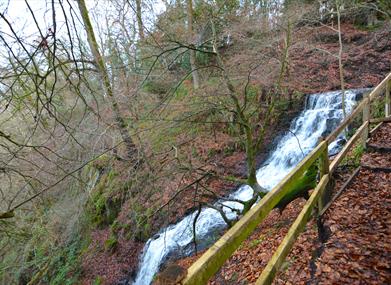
(193, 66)
(120, 121)
(341, 77)
(251, 142)
(251, 165)
(139, 20)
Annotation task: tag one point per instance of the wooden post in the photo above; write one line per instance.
(365, 118)
(388, 100)
(323, 169)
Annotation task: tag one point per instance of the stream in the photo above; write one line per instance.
(322, 114)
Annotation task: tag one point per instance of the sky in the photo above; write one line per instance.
(18, 14)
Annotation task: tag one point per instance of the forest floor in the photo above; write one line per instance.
(356, 240)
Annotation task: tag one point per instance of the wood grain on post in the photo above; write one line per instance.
(323, 169)
(388, 99)
(365, 118)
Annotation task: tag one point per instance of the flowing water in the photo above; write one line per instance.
(322, 114)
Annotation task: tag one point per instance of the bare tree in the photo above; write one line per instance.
(121, 122)
(339, 7)
(193, 66)
(139, 20)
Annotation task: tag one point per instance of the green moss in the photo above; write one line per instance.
(66, 265)
(229, 150)
(156, 87)
(140, 227)
(98, 280)
(377, 108)
(256, 242)
(102, 162)
(111, 243)
(368, 28)
(104, 205)
(181, 92)
(212, 152)
(300, 189)
(353, 158)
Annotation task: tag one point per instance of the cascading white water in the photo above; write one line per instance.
(323, 113)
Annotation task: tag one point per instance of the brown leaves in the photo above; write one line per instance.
(358, 250)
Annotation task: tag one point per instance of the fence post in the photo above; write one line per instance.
(365, 118)
(388, 100)
(323, 169)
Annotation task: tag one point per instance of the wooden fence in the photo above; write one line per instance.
(212, 260)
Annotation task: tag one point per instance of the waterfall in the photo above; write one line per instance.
(322, 114)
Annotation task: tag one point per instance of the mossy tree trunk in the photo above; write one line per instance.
(120, 121)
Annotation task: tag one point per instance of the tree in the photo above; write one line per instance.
(193, 66)
(339, 7)
(139, 20)
(121, 122)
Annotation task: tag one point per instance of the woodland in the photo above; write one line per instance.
(120, 117)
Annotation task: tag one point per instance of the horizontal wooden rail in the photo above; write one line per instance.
(211, 261)
(279, 256)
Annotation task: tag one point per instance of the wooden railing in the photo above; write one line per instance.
(212, 260)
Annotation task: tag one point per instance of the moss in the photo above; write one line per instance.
(98, 280)
(111, 243)
(256, 242)
(229, 150)
(156, 87)
(58, 265)
(353, 158)
(140, 227)
(368, 28)
(66, 264)
(115, 227)
(377, 108)
(300, 189)
(104, 205)
(102, 162)
(212, 152)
